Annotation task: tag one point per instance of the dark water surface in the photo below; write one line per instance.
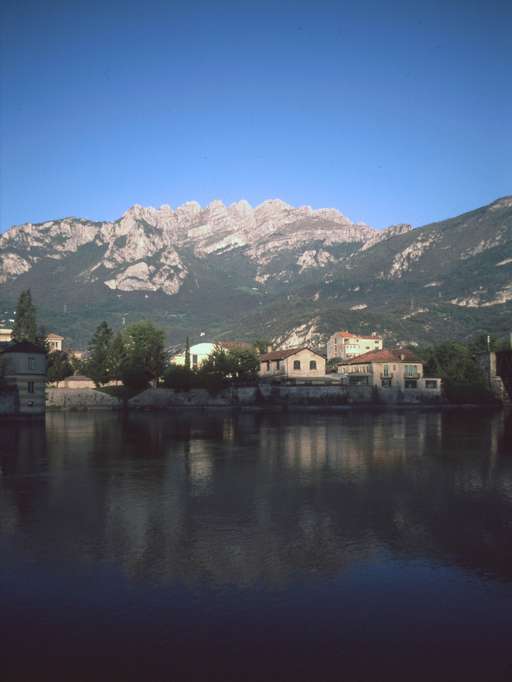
(257, 547)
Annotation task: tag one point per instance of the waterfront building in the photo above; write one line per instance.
(23, 368)
(388, 369)
(296, 364)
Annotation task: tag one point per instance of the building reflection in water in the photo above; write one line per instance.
(252, 498)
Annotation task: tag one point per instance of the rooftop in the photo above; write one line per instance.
(286, 353)
(23, 347)
(348, 335)
(385, 355)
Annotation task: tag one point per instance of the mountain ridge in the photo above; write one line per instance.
(282, 271)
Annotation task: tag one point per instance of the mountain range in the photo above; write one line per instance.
(277, 272)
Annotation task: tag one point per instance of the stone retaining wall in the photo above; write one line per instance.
(267, 394)
(83, 399)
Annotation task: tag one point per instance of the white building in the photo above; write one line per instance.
(346, 345)
(199, 352)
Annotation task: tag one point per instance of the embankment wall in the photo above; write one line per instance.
(80, 399)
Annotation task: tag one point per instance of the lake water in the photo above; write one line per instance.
(214, 546)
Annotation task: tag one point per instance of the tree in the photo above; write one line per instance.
(237, 365)
(144, 344)
(455, 363)
(135, 376)
(261, 345)
(117, 357)
(25, 325)
(179, 378)
(97, 366)
(59, 366)
(243, 365)
(187, 354)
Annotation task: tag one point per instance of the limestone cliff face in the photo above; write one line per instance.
(273, 271)
(142, 250)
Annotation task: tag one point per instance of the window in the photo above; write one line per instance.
(312, 364)
(268, 365)
(430, 383)
(411, 383)
(385, 371)
(278, 364)
(31, 363)
(355, 380)
(386, 382)
(410, 370)
(30, 386)
(296, 364)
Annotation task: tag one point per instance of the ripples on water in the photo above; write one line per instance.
(253, 546)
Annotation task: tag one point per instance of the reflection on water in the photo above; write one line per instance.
(260, 503)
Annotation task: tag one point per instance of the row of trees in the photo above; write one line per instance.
(222, 367)
(456, 364)
(135, 355)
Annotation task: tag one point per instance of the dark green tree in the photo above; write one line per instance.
(230, 366)
(97, 366)
(25, 324)
(179, 378)
(145, 350)
(455, 363)
(187, 354)
(59, 366)
(117, 357)
(261, 345)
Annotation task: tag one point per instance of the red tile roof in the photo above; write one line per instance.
(384, 355)
(349, 335)
(234, 345)
(285, 353)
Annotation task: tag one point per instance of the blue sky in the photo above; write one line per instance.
(389, 111)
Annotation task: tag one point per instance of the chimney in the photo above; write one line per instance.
(402, 357)
(269, 348)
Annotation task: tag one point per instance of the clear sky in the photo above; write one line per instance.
(397, 111)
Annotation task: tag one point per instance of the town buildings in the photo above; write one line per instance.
(297, 364)
(345, 345)
(388, 369)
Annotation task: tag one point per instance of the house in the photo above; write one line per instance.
(199, 352)
(346, 345)
(297, 364)
(23, 370)
(387, 369)
(54, 342)
(5, 335)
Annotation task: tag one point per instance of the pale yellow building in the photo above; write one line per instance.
(388, 369)
(346, 345)
(292, 363)
(5, 335)
(54, 342)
